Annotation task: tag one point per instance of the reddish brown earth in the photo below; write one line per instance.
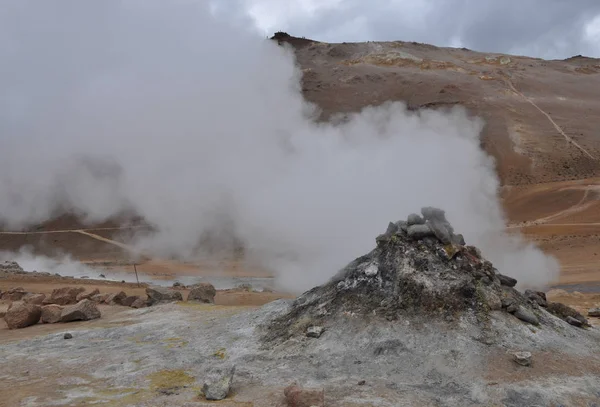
(541, 128)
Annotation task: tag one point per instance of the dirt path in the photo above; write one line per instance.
(578, 207)
(556, 126)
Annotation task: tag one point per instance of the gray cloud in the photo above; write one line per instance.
(542, 28)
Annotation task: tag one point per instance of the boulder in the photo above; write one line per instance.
(36, 299)
(21, 315)
(139, 303)
(203, 292)
(64, 295)
(99, 298)
(157, 295)
(127, 301)
(537, 297)
(68, 336)
(51, 314)
(522, 358)
(506, 281)
(526, 315)
(116, 298)
(392, 228)
(314, 331)
(414, 219)
(84, 310)
(594, 312)
(417, 232)
(217, 385)
(574, 322)
(14, 294)
(563, 311)
(87, 295)
(296, 396)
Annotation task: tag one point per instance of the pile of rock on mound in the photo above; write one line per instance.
(68, 304)
(420, 266)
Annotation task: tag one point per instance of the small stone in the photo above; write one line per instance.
(574, 322)
(51, 314)
(162, 295)
(203, 292)
(460, 239)
(68, 336)
(102, 276)
(296, 396)
(362, 383)
(522, 358)
(594, 312)
(177, 284)
(414, 219)
(506, 281)
(402, 226)
(418, 232)
(527, 316)
(84, 310)
(21, 315)
(512, 308)
(314, 331)
(217, 386)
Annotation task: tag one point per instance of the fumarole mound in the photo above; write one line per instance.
(420, 268)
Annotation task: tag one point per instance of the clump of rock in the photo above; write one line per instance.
(157, 295)
(64, 295)
(51, 314)
(419, 267)
(202, 292)
(22, 315)
(84, 310)
(218, 383)
(14, 294)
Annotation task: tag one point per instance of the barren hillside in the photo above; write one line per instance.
(541, 127)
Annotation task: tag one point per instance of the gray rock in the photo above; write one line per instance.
(417, 232)
(574, 322)
(391, 229)
(527, 316)
(203, 292)
(217, 385)
(460, 239)
(84, 310)
(506, 281)
(160, 294)
(139, 303)
(402, 226)
(414, 219)
(537, 297)
(522, 358)
(314, 331)
(116, 298)
(594, 312)
(68, 336)
(512, 308)
(436, 219)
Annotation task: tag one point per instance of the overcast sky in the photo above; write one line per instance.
(542, 28)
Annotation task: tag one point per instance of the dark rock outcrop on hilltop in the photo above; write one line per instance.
(420, 267)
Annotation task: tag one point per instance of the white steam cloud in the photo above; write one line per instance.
(193, 123)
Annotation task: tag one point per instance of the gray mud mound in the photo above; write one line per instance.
(419, 268)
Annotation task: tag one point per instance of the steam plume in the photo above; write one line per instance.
(192, 122)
